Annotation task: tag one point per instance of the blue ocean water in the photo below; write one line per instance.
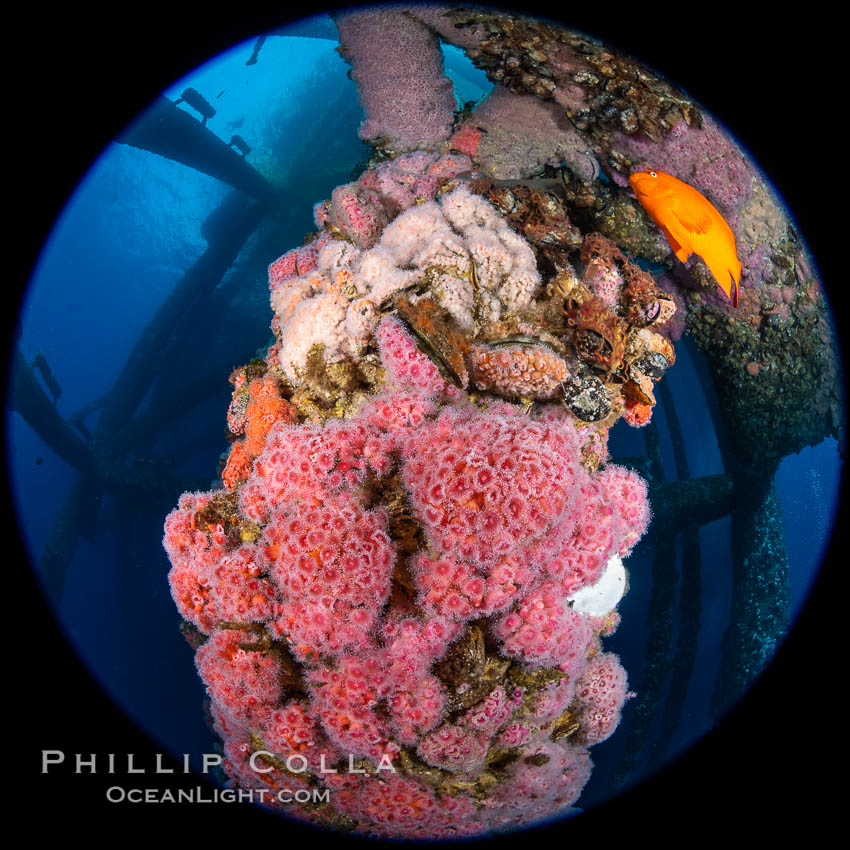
(126, 238)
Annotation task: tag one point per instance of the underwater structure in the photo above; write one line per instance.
(400, 586)
(416, 550)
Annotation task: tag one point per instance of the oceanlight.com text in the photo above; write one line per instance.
(200, 794)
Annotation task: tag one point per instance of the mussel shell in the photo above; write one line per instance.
(591, 345)
(666, 311)
(389, 304)
(654, 365)
(436, 337)
(528, 341)
(426, 346)
(587, 399)
(478, 181)
(651, 311)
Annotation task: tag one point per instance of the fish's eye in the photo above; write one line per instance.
(653, 174)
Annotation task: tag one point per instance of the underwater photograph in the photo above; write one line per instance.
(427, 422)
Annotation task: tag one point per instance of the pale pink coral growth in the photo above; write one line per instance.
(302, 465)
(456, 748)
(210, 584)
(604, 279)
(332, 564)
(344, 700)
(407, 367)
(293, 730)
(600, 692)
(533, 790)
(543, 630)
(626, 491)
(486, 485)
(358, 213)
(245, 684)
(398, 67)
(514, 524)
(489, 715)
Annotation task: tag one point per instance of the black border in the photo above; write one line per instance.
(77, 76)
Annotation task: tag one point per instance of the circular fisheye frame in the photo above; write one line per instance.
(424, 423)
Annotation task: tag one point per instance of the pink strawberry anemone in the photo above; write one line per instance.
(399, 592)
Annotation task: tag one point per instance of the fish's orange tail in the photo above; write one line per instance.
(736, 277)
(725, 272)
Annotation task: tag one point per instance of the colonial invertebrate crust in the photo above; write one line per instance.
(417, 546)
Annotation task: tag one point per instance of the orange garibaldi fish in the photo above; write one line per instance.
(691, 224)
